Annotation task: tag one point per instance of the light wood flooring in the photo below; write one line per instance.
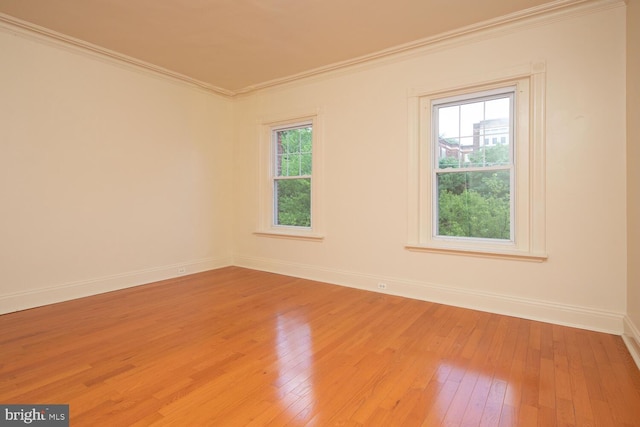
(237, 347)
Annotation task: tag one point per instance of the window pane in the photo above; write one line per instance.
(489, 155)
(449, 153)
(449, 122)
(474, 204)
(470, 114)
(305, 163)
(497, 109)
(294, 165)
(293, 202)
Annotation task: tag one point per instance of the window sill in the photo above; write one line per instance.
(480, 252)
(291, 234)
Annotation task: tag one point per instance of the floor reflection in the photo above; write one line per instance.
(463, 395)
(295, 365)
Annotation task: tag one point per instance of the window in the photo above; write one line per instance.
(291, 179)
(477, 168)
(473, 193)
(291, 175)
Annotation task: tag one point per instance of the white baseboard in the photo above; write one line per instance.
(68, 291)
(545, 311)
(631, 338)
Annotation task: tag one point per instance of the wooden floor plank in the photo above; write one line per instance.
(248, 348)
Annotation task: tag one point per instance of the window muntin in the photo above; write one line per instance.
(473, 168)
(292, 148)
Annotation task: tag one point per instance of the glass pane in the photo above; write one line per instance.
(293, 202)
(474, 204)
(294, 164)
(282, 164)
(449, 122)
(470, 115)
(305, 163)
(489, 155)
(497, 109)
(449, 153)
(476, 134)
(293, 151)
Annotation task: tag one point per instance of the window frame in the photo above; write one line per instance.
(267, 225)
(528, 238)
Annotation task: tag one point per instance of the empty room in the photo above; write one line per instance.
(320, 213)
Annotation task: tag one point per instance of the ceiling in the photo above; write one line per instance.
(236, 45)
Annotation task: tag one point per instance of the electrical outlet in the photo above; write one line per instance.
(382, 285)
(182, 270)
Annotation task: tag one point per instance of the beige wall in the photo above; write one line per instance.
(113, 177)
(633, 160)
(583, 282)
(109, 176)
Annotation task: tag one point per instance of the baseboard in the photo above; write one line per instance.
(544, 311)
(631, 338)
(68, 291)
(562, 314)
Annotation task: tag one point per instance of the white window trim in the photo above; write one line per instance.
(529, 236)
(266, 215)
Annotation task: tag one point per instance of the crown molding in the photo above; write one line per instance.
(543, 13)
(28, 29)
(540, 14)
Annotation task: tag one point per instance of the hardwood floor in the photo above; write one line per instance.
(237, 347)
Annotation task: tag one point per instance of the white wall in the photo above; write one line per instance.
(109, 176)
(633, 173)
(583, 282)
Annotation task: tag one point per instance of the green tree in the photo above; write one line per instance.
(472, 214)
(497, 155)
(475, 204)
(294, 202)
(454, 182)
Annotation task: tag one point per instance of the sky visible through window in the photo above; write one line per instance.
(457, 121)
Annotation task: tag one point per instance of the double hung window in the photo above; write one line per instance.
(474, 165)
(477, 156)
(290, 176)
